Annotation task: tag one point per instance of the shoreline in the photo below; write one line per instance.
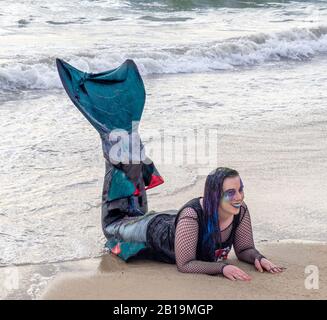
(31, 264)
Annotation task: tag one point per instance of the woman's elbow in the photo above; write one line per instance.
(182, 267)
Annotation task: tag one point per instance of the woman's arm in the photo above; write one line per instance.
(245, 249)
(186, 239)
(243, 241)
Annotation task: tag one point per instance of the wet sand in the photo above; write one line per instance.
(110, 278)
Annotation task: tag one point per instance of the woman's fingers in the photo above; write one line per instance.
(270, 269)
(281, 269)
(275, 269)
(245, 275)
(268, 266)
(258, 265)
(233, 273)
(241, 275)
(235, 277)
(230, 277)
(278, 269)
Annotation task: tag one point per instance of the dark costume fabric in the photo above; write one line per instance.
(158, 234)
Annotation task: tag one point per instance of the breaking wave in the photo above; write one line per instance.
(299, 44)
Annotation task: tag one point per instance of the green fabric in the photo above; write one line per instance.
(123, 187)
(110, 99)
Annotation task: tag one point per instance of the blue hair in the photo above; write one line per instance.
(213, 191)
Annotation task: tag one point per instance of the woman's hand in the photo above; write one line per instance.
(265, 264)
(234, 273)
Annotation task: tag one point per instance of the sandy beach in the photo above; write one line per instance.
(240, 84)
(110, 278)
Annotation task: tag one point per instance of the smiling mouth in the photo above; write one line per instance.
(236, 205)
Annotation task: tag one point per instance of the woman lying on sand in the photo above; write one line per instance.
(199, 237)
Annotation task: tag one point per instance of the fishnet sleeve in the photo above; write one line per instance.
(186, 239)
(243, 241)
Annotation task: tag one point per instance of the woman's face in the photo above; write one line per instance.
(232, 196)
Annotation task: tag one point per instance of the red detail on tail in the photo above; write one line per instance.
(136, 192)
(116, 249)
(155, 181)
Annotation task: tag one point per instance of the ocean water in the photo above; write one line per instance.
(252, 72)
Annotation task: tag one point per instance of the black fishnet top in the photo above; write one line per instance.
(186, 239)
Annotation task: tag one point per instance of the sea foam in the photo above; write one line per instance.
(297, 44)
